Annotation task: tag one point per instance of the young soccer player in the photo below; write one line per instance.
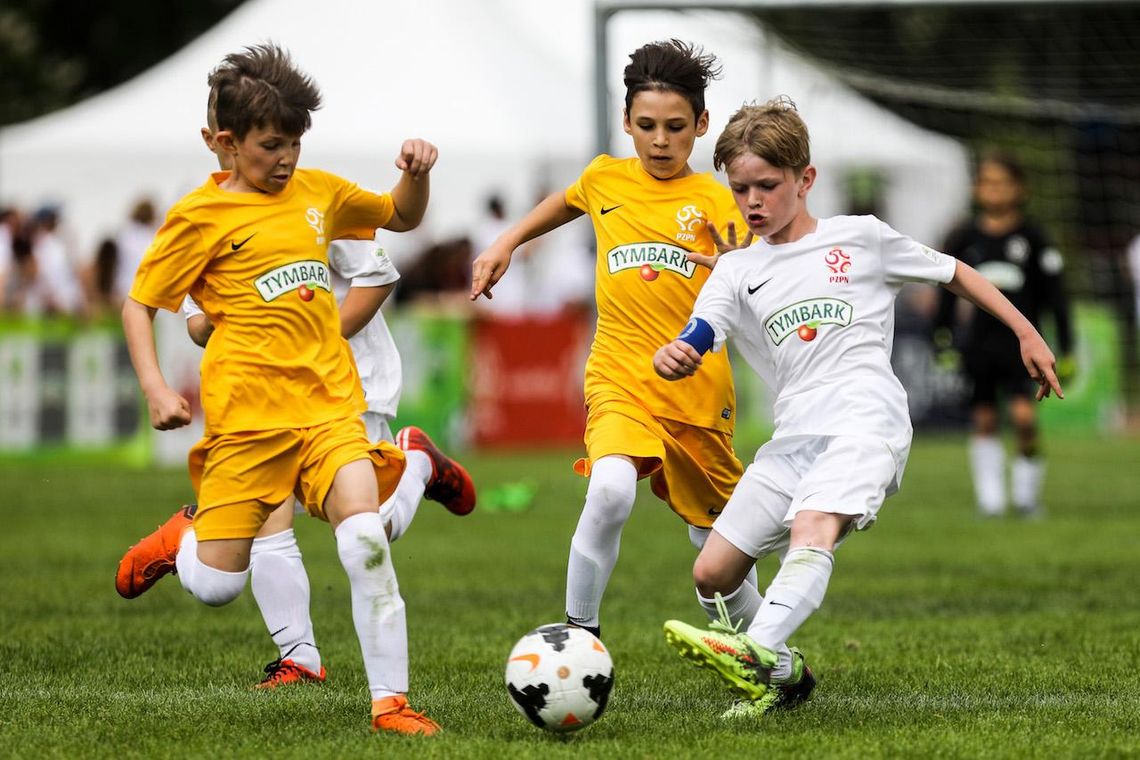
(810, 307)
(1015, 254)
(278, 579)
(656, 221)
(280, 391)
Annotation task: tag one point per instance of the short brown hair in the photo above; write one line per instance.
(261, 87)
(671, 66)
(773, 131)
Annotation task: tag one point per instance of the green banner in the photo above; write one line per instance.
(1093, 401)
(433, 352)
(68, 392)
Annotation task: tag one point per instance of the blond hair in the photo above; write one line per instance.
(773, 131)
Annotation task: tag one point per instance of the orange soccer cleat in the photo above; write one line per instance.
(450, 484)
(153, 557)
(286, 672)
(393, 714)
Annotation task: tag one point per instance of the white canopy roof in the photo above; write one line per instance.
(503, 87)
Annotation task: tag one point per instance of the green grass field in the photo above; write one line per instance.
(941, 635)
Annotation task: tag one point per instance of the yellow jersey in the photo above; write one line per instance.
(645, 288)
(257, 264)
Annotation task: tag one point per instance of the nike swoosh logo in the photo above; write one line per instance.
(531, 658)
(611, 208)
(753, 290)
(279, 630)
(714, 511)
(237, 246)
(780, 604)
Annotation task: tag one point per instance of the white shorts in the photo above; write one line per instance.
(377, 427)
(844, 475)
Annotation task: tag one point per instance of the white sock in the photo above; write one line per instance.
(987, 460)
(594, 547)
(1026, 476)
(280, 586)
(400, 509)
(698, 536)
(207, 584)
(741, 605)
(377, 608)
(796, 592)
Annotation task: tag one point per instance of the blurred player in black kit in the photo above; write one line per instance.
(1014, 254)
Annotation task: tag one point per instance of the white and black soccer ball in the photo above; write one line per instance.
(559, 677)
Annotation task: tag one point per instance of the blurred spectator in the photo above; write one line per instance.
(101, 292)
(1134, 269)
(8, 222)
(132, 242)
(23, 272)
(442, 271)
(1014, 254)
(56, 288)
(511, 293)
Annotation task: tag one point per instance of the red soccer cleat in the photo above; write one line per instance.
(393, 714)
(286, 672)
(450, 484)
(153, 557)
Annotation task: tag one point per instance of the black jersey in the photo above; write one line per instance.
(1026, 268)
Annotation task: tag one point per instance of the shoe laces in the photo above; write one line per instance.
(276, 670)
(724, 624)
(746, 654)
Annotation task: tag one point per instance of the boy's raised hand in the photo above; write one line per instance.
(487, 269)
(417, 157)
(676, 360)
(1042, 365)
(723, 244)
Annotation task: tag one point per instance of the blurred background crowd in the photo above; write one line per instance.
(98, 135)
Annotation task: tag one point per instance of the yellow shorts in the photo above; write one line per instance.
(241, 477)
(692, 469)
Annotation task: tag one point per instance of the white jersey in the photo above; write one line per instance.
(815, 319)
(362, 264)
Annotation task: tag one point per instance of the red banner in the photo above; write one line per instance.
(526, 384)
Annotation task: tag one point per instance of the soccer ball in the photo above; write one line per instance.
(559, 677)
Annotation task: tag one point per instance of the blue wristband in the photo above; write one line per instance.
(698, 334)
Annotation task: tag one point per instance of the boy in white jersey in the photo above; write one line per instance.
(811, 308)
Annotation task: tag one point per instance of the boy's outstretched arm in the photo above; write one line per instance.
(168, 410)
(410, 195)
(1035, 353)
(490, 265)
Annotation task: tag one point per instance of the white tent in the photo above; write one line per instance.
(503, 87)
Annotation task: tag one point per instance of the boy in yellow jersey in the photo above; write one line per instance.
(656, 224)
(278, 580)
(281, 394)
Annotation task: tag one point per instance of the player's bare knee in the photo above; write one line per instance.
(818, 530)
(713, 577)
